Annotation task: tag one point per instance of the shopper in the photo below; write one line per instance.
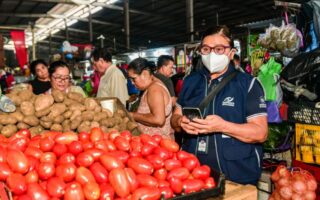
(155, 108)
(41, 82)
(234, 124)
(112, 81)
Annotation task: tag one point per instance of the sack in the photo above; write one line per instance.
(273, 112)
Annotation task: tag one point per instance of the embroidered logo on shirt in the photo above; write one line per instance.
(228, 101)
(262, 103)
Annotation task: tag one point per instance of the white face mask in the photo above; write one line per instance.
(215, 63)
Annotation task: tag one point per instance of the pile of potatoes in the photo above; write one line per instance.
(60, 112)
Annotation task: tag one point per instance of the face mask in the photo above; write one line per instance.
(215, 63)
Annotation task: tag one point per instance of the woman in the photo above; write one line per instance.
(41, 82)
(234, 125)
(60, 78)
(155, 108)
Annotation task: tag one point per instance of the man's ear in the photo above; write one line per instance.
(232, 52)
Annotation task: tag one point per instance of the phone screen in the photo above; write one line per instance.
(191, 112)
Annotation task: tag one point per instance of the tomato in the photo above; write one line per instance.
(44, 184)
(119, 181)
(176, 185)
(84, 136)
(171, 164)
(121, 143)
(17, 161)
(5, 171)
(84, 175)
(112, 135)
(17, 183)
(33, 162)
(147, 180)
(33, 151)
(157, 138)
(110, 146)
(22, 133)
(192, 185)
(147, 149)
(201, 172)
(66, 158)
(181, 155)
(121, 155)
(126, 134)
(132, 178)
(163, 153)
(96, 134)
(181, 173)
(147, 139)
(160, 174)
(59, 149)
(95, 153)
(166, 191)
(51, 134)
(75, 147)
(136, 145)
(87, 145)
(91, 191)
(46, 170)
(66, 172)
(35, 141)
(19, 143)
(101, 145)
(156, 161)
(162, 183)
(3, 154)
(107, 191)
(56, 187)
(99, 172)
(134, 153)
(48, 157)
(36, 192)
(140, 165)
(84, 159)
(110, 162)
(170, 145)
(73, 191)
(46, 144)
(209, 183)
(147, 193)
(32, 177)
(191, 163)
(66, 138)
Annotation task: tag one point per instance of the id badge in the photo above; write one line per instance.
(203, 145)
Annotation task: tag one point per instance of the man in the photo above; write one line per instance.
(165, 66)
(112, 81)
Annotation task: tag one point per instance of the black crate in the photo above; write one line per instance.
(205, 194)
(303, 112)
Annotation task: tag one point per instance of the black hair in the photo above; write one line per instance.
(53, 66)
(34, 64)
(101, 53)
(164, 60)
(221, 30)
(236, 57)
(140, 64)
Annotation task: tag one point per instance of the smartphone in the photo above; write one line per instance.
(192, 112)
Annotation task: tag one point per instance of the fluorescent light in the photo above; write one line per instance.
(73, 21)
(96, 9)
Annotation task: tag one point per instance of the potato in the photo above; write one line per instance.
(56, 127)
(31, 120)
(122, 127)
(121, 113)
(58, 120)
(9, 130)
(109, 113)
(99, 116)
(46, 119)
(18, 115)
(68, 114)
(69, 102)
(87, 115)
(14, 98)
(77, 106)
(66, 125)
(46, 125)
(58, 96)
(131, 125)
(94, 124)
(84, 127)
(36, 130)
(125, 120)
(7, 119)
(75, 123)
(109, 122)
(98, 109)
(57, 109)
(75, 114)
(25, 95)
(22, 125)
(90, 103)
(104, 129)
(43, 101)
(117, 119)
(27, 108)
(75, 96)
(43, 112)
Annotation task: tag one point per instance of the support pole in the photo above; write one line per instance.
(33, 43)
(90, 26)
(190, 19)
(50, 43)
(127, 23)
(66, 29)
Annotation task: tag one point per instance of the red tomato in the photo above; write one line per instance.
(66, 172)
(170, 145)
(75, 147)
(132, 178)
(192, 185)
(22, 133)
(191, 163)
(33, 151)
(162, 183)
(46, 144)
(96, 134)
(66, 158)
(176, 185)
(134, 153)
(36, 192)
(48, 157)
(110, 145)
(66, 138)
(118, 180)
(113, 135)
(121, 155)
(73, 191)
(146, 180)
(157, 138)
(17, 183)
(171, 164)
(127, 135)
(107, 191)
(147, 149)
(156, 161)
(46, 170)
(17, 161)
(181, 155)
(19, 143)
(209, 183)
(140, 165)
(3, 154)
(95, 153)
(163, 153)
(166, 191)
(147, 139)
(84, 159)
(84, 136)
(147, 193)
(35, 141)
(201, 172)
(110, 162)
(51, 134)
(59, 149)
(84, 175)
(160, 174)
(99, 172)
(32, 177)
(5, 171)
(101, 145)
(33, 163)
(121, 143)
(136, 145)
(181, 173)
(56, 187)
(87, 145)
(91, 191)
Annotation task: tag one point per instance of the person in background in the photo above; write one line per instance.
(41, 82)
(155, 109)
(229, 137)
(112, 82)
(60, 78)
(165, 67)
(237, 62)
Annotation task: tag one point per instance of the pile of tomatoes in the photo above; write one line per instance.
(98, 165)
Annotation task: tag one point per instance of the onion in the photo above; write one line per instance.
(312, 184)
(283, 172)
(296, 196)
(283, 182)
(299, 186)
(309, 195)
(275, 176)
(285, 192)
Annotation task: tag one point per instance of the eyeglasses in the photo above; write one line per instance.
(219, 49)
(133, 79)
(61, 78)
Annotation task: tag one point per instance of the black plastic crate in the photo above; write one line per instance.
(303, 112)
(205, 194)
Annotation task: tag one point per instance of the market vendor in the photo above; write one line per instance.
(229, 136)
(41, 83)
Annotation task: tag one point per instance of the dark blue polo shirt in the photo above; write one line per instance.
(242, 98)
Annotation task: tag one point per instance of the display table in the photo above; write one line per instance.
(235, 191)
